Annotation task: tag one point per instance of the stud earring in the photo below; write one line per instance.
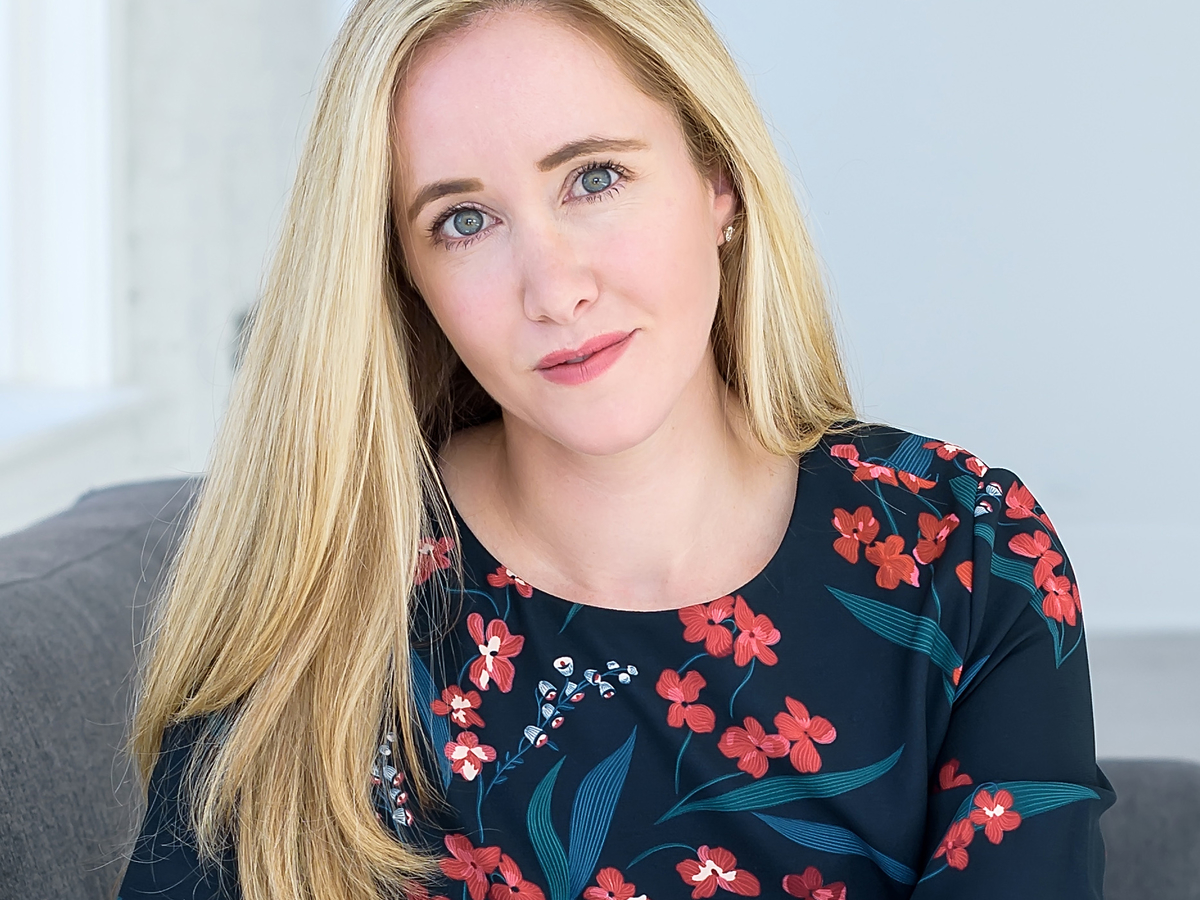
(728, 233)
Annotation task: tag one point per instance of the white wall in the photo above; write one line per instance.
(55, 278)
(208, 101)
(1006, 197)
(217, 98)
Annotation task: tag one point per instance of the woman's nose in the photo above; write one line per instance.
(558, 283)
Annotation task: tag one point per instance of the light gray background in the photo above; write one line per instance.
(1006, 198)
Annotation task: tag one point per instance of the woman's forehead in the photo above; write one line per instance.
(517, 83)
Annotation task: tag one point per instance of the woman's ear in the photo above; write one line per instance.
(726, 202)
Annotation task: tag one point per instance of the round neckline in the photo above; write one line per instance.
(763, 576)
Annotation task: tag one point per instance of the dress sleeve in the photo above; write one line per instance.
(165, 864)
(1016, 798)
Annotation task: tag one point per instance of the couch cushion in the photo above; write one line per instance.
(1152, 832)
(73, 591)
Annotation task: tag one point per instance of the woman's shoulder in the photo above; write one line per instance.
(937, 471)
(930, 516)
(898, 458)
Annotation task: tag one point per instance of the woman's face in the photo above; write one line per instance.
(549, 211)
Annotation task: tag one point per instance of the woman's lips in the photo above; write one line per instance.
(599, 354)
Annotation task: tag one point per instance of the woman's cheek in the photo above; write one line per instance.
(481, 316)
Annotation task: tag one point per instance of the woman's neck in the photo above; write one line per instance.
(693, 512)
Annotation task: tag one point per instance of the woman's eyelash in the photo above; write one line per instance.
(435, 227)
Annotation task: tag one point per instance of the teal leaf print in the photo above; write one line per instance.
(571, 613)
(965, 489)
(546, 844)
(834, 839)
(1035, 797)
(768, 792)
(902, 627)
(1032, 798)
(437, 727)
(595, 801)
(1020, 573)
(985, 531)
(912, 456)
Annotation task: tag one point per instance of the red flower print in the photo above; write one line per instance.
(470, 864)
(716, 868)
(459, 707)
(1037, 546)
(702, 622)
(514, 884)
(1045, 520)
(914, 482)
(956, 675)
(959, 836)
(683, 694)
(503, 577)
(467, 755)
(811, 885)
(859, 527)
(864, 471)
(944, 450)
(934, 532)
(966, 573)
(612, 886)
(995, 814)
(872, 471)
(496, 647)
(1020, 502)
(802, 729)
(418, 891)
(755, 634)
(1061, 600)
(752, 745)
(976, 466)
(894, 564)
(432, 554)
(950, 777)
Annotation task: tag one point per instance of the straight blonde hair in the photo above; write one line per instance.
(286, 616)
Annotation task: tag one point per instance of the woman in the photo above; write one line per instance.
(540, 554)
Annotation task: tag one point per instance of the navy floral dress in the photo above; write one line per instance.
(896, 706)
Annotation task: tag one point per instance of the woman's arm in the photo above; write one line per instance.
(1017, 796)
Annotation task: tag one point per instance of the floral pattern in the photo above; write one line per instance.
(769, 741)
(683, 694)
(611, 885)
(811, 885)
(716, 868)
(803, 731)
(433, 554)
(751, 746)
(496, 649)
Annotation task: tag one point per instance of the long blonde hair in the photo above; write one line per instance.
(289, 605)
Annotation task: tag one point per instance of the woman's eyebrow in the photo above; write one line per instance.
(568, 152)
(440, 189)
(565, 153)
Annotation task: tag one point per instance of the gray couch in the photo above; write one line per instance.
(73, 592)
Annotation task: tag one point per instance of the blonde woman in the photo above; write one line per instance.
(541, 555)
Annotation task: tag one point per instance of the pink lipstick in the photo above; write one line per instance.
(590, 360)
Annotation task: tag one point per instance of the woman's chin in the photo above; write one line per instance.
(601, 434)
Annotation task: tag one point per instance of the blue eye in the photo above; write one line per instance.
(467, 221)
(597, 180)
